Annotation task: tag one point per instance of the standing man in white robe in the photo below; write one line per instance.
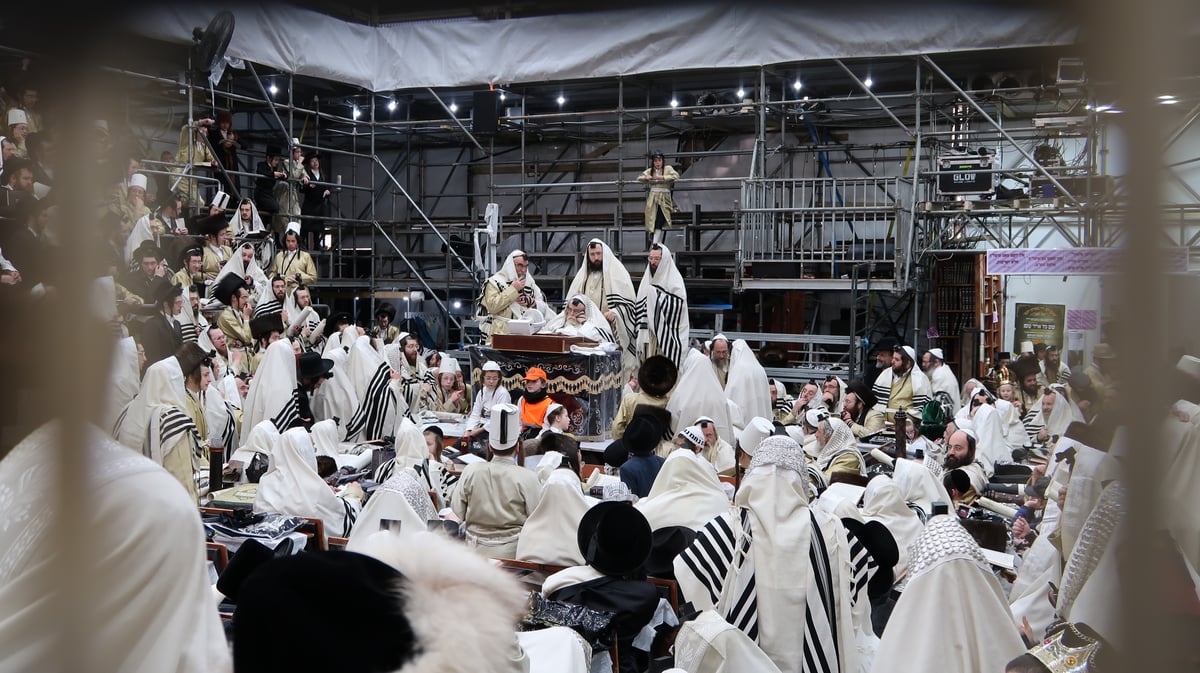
(941, 378)
(604, 279)
(663, 325)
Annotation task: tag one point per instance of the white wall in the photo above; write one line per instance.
(1075, 292)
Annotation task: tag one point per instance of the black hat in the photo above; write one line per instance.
(273, 150)
(887, 343)
(657, 154)
(881, 545)
(657, 375)
(666, 544)
(1024, 366)
(863, 391)
(303, 598)
(250, 555)
(163, 289)
(340, 319)
(1003, 355)
(311, 366)
(262, 326)
(643, 432)
(614, 537)
(190, 357)
(226, 286)
(211, 225)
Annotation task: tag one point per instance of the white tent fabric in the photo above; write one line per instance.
(586, 45)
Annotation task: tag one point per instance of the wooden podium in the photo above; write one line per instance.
(539, 343)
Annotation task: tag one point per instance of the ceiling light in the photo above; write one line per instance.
(356, 112)
(806, 99)
(1166, 97)
(273, 89)
(1103, 108)
(392, 105)
(1167, 101)
(868, 82)
(674, 103)
(741, 93)
(796, 85)
(561, 100)
(457, 304)
(453, 107)
(1111, 110)
(501, 95)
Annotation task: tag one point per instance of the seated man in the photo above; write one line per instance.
(495, 498)
(964, 477)
(295, 265)
(580, 317)
(858, 409)
(839, 452)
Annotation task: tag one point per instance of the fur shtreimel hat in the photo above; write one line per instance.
(657, 375)
(392, 603)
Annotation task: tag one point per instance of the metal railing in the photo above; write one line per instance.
(819, 222)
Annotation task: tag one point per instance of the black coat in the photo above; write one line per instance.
(264, 188)
(160, 337)
(314, 199)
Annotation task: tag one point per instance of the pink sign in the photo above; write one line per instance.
(1080, 261)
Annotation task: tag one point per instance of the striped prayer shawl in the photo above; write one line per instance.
(883, 388)
(190, 332)
(719, 556)
(288, 414)
(669, 311)
(371, 415)
(626, 310)
(173, 423)
(268, 307)
(1033, 422)
(349, 516)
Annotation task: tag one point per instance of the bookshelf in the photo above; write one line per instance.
(965, 298)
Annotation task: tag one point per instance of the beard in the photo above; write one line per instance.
(899, 370)
(954, 462)
(595, 266)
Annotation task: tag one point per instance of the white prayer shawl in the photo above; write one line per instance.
(190, 324)
(403, 498)
(720, 455)
(619, 297)
(549, 534)
(272, 395)
(123, 380)
(540, 312)
(219, 417)
(747, 384)
(698, 393)
(325, 438)
(1029, 597)
(1010, 423)
(377, 398)
(991, 448)
(943, 380)
(1087, 593)
(262, 439)
(841, 443)
(663, 312)
(412, 376)
(884, 502)
(1061, 416)
(162, 383)
(921, 390)
(919, 486)
(686, 492)
(410, 443)
(154, 609)
(292, 486)
(1181, 465)
(336, 396)
(141, 233)
(241, 229)
(709, 644)
(949, 584)
(251, 271)
(594, 326)
(749, 566)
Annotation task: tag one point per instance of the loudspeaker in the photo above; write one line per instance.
(484, 112)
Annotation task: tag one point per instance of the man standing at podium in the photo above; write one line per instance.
(512, 294)
(606, 282)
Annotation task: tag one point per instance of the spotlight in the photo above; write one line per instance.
(561, 100)
(273, 89)
(501, 95)
(674, 103)
(741, 93)
(457, 304)
(356, 112)
(796, 85)
(392, 105)
(868, 82)
(453, 107)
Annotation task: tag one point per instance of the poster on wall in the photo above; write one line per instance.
(1039, 323)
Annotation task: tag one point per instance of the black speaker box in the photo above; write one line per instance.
(485, 112)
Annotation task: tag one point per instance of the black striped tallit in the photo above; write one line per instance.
(821, 646)
(268, 308)
(190, 332)
(669, 311)
(1031, 424)
(229, 435)
(369, 418)
(348, 517)
(626, 309)
(173, 423)
(288, 414)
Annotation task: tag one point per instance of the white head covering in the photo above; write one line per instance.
(161, 385)
(17, 116)
(949, 581)
(1061, 415)
(140, 233)
(693, 434)
(1026, 346)
(262, 439)
(167, 619)
(698, 393)
(841, 441)
(272, 388)
(549, 534)
(325, 438)
(686, 492)
(235, 265)
(490, 366)
(239, 228)
(410, 443)
(618, 291)
(663, 297)
(123, 379)
(594, 327)
(448, 365)
(504, 427)
(918, 485)
(747, 383)
(937, 353)
(754, 433)
(336, 396)
(883, 502)
(137, 180)
(292, 486)
(554, 406)
(404, 498)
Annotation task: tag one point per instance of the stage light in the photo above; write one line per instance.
(273, 89)
(805, 99)
(561, 100)
(355, 112)
(501, 95)
(796, 85)
(741, 93)
(392, 105)
(674, 103)
(453, 107)
(868, 82)
(457, 304)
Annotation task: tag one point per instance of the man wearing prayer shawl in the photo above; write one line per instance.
(150, 607)
(449, 395)
(156, 424)
(794, 573)
(904, 385)
(718, 452)
(404, 498)
(291, 486)
(656, 379)
(952, 615)
(548, 535)
(663, 324)
(377, 388)
(698, 394)
(604, 280)
(838, 449)
(580, 317)
(272, 395)
(747, 384)
(686, 492)
(512, 294)
(416, 379)
(941, 378)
